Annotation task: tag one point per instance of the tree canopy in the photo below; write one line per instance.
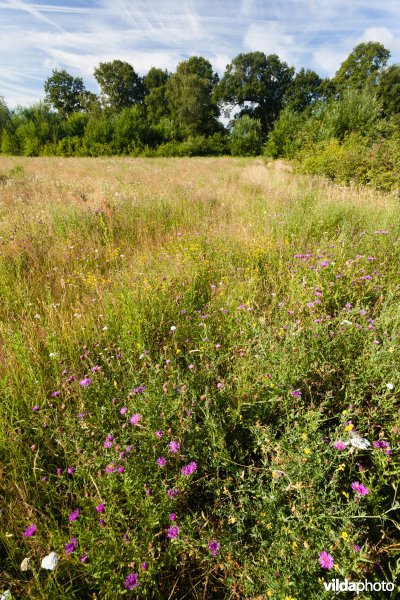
(362, 67)
(120, 85)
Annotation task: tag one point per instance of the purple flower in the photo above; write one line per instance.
(70, 546)
(134, 420)
(159, 433)
(356, 548)
(326, 560)
(100, 508)
(145, 566)
(110, 469)
(174, 446)
(296, 393)
(339, 445)
(161, 461)
(30, 530)
(55, 394)
(214, 546)
(102, 522)
(173, 532)
(74, 515)
(359, 488)
(35, 408)
(59, 472)
(71, 470)
(85, 382)
(123, 410)
(132, 581)
(172, 517)
(189, 469)
(95, 369)
(84, 558)
(381, 444)
(172, 493)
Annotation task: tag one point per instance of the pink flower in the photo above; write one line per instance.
(339, 445)
(85, 382)
(74, 515)
(30, 530)
(134, 420)
(359, 488)
(326, 560)
(100, 508)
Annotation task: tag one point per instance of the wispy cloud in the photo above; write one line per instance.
(79, 34)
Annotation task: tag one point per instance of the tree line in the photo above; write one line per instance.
(271, 107)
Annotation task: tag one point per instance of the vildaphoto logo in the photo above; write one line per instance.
(336, 585)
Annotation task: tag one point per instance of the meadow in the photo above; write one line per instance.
(199, 380)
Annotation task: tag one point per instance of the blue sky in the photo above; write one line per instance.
(79, 34)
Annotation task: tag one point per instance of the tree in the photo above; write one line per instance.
(65, 93)
(189, 93)
(257, 83)
(120, 85)
(155, 86)
(388, 90)
(303, 90)
(246, 136)
(362, 67)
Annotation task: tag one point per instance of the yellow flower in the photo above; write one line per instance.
(341, 467)
(269, 593)
(177, 351)
(345, 536)
(346, 495)
(307, 451)
(391, 349)
(349, 427)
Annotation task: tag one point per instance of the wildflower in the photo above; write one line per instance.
(189, 469)
(174, 446)
(172, 532)
(339, 445)
(35, 408)
(161, 461)
(359, 488)
(100, 508)
(55, 394)
(70, 546)
(132, 581)
(30, 530)
(296, 393)
(83, 558)
(159, 433)
(108, 441)
(214, 546)
(134, 420)
(50, 561)
(59, 472)
(95, 369)
(121, 469)
(381, 444)
(70, 470)
(326, 560)
(172, 517)
(102, 522)
(356, 548)
(145, 566)
(74, 515)
(25, 565)
(390, 386)
(123, 410)
(345, 536)
(173, 328)
(172, 492)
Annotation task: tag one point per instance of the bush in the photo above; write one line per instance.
(246, 137)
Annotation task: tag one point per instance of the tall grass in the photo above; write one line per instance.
(243, 313)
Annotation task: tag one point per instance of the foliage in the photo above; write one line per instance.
(64, 92)
(362, 67)
(120, 85)
(245, 136)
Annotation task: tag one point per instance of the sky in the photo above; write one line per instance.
(77, 35)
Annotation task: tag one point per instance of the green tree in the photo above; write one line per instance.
(388, 90)
(120, 85)
(256, 83)
(64, 92)
(362, 67)
(246, 136)
(303, 90)
(155, 86)
(189, 92)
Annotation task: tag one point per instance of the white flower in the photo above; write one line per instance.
(173, 328)
(346, 322)
(50, 561)
(25, 566)
(359, 442)
(105, 328)
(6, 595)
(389, 386)
(53, 354)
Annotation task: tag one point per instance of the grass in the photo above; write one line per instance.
(246, 313)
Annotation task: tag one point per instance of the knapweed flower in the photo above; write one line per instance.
(83, 558)
(30, 530)
(161, 461)
(326, 560)
(173, 532)
(356, 548)
(134, 420)
(174, 446)
(50, 561)
(214, 546)
(71, 470)
(172, 517)
(189, 469)
(70, 546)
(74, 515)
(145, 566)
(100, 508)
(123, 411)
(172, 493)
(132, 581)
(108, 441)
(339, 445)
(381, 444)
(159, 433)
(85, 382)
(296, 393)
(359, 488)
(55, 394)
(35, 408)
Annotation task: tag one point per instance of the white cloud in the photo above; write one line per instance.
(270, 37)
(327, 60)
